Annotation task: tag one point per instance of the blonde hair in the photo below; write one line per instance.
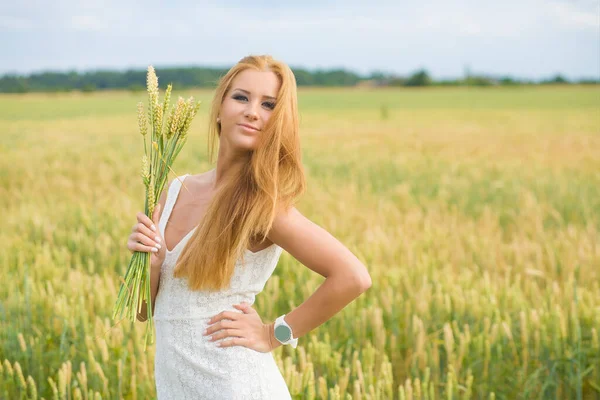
(245, 206)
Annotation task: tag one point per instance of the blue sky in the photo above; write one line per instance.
(524, 38)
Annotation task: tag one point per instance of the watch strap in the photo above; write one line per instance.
(291, 341)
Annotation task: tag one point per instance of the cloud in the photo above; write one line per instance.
(496, 37)
(569, 15)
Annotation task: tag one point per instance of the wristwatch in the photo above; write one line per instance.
(283, 332)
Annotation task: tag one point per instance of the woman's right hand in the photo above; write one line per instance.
(144, 239)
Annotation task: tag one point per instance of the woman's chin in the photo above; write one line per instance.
(241, 142)
(245, 144)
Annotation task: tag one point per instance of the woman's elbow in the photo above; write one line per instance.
(364, 282)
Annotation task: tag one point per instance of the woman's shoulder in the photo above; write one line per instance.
(199, 178)
(198, 187)
(193, 182)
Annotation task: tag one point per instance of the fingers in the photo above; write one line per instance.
(225, 315)
(143, 237)
(220, 325)
(144, 230)
(135, 246)
(138, 242)
(245, 307)
(143, 218)
(236, 341)
(226, 333)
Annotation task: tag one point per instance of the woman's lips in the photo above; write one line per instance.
(248, 128)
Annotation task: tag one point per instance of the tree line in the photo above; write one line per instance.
(202, 77)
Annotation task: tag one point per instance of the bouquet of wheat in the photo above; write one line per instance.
(168, 135)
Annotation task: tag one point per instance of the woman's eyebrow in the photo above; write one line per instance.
(245, 91)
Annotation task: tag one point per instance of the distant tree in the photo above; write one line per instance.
(88, 88)
(419, 78)
(14, 84)
(303, 77)
(507, 80)
(449, 82)
(588, 81)
(557, 79)
(478, 81)
(136, 88)
(336, 77)
(188, 77)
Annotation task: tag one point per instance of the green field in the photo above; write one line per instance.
(476, 211)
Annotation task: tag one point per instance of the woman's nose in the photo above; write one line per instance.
(251, 111)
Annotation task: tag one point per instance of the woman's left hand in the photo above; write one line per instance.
(245, 329)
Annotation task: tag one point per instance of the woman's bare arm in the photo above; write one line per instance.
(346, 276)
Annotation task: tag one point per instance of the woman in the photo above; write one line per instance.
(218, 242)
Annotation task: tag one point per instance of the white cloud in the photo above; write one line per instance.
(492, 36)
(568, 15)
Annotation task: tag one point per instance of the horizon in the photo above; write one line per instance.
(310, 70)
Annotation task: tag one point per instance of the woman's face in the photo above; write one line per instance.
(246, 108)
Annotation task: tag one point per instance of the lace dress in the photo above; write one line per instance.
(187, 364)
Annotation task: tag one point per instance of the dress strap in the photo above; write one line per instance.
(172, 194)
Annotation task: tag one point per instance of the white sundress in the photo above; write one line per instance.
(189, 366)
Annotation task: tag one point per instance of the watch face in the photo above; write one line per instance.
(283, 333)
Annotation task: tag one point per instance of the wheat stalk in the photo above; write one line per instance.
(167, 137)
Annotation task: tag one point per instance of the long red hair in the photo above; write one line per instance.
(244, 208)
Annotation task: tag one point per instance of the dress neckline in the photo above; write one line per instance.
(190, 232)
(181, 241)
(187, 236)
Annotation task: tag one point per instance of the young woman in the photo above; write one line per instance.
(218, 241)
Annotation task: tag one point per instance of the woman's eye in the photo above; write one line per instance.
(241, 97)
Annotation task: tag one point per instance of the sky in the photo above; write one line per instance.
(527, 39)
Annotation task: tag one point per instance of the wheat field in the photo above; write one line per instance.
(476, 211)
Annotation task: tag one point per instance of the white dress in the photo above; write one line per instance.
(189, 366)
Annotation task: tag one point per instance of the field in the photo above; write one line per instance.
(476, 211)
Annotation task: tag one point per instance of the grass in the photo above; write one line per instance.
(477, 212)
